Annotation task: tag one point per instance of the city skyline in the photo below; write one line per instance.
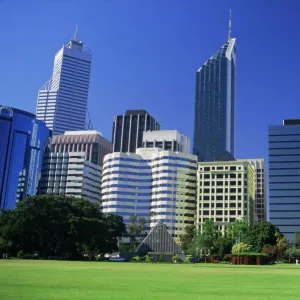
(113, 51)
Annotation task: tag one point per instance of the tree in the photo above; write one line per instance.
(241, 247)
(59, 226)
(204, 243)
(187, 240)
(210, 230)
(293, 252)
(297, 239)
(261, 234)
(238, 230)
(222, 246)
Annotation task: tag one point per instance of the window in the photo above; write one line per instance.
(219, 197)
(233, 168)
(232, 190)
(220, 183)
(206, 169)
(219, 190)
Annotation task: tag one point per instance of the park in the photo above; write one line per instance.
(44, 279)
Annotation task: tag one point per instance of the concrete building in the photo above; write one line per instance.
(260, 188)
(284, 177)
(62, 100)
(214, 104)
(226, 191)
(91, 142)
(152, 183)
(128, 130)
(23, 140)
(70, 174)
(170, 140)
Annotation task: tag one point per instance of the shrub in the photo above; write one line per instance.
(227, 257)
(137, 258)
(188, 259)
(148, 259)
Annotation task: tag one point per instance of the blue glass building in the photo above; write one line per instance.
(284, 177)
(214, 104)
(22, 143)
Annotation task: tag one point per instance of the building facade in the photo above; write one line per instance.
(70, 174)
(260, 199)
(226, 191)
(23, 140)
(128, 130)
(170, 140)
(214, 104)
(284, 177)
(91, 142)
(62, 101)
(153, 183)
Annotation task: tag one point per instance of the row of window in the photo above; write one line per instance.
(231, 190)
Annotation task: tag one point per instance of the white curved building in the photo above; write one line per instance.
(153, 183)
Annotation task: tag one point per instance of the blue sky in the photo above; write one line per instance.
(146, 53)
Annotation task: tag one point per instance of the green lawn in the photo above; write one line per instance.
(23, 279)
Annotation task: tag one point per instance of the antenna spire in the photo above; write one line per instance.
(75, 38)
(229, 28)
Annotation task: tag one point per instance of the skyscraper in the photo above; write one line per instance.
(152, 183)
(91, 142)
(128, 130)
(214, 104)
(284, 177)
(23, 140)
(62, 101)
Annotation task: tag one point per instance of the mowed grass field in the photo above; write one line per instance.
(24, 279)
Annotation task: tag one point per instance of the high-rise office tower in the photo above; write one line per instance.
(71, 174)
(128, 130)
(62, 101)
(170, 140)
(91, 142)
(23, 140)
(284, 177)
(260, 204)
(152, 183)
(226, 191)
(214, 104)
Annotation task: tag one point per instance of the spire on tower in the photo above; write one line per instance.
(75, 38)
(229, 28)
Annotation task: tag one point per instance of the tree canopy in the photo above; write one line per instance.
(58, 226)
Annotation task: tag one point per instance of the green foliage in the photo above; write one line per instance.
(175, 258)
(137, 258)
(160, 258)
(241, 247)
(210, 230)
(293, 252)
(187, 240)
(204, 243)
(188, 259)
(297, 239)
(222, 246)
(59, 226)
(238, 231)
(137, 228)
(148, 259)
(261, 234)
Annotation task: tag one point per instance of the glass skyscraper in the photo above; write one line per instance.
(22, 143)
(214, 104)
(284, 177)
(62, 101)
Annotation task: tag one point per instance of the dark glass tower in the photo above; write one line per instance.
(284, 177)
(128, 130)
(214, 104)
